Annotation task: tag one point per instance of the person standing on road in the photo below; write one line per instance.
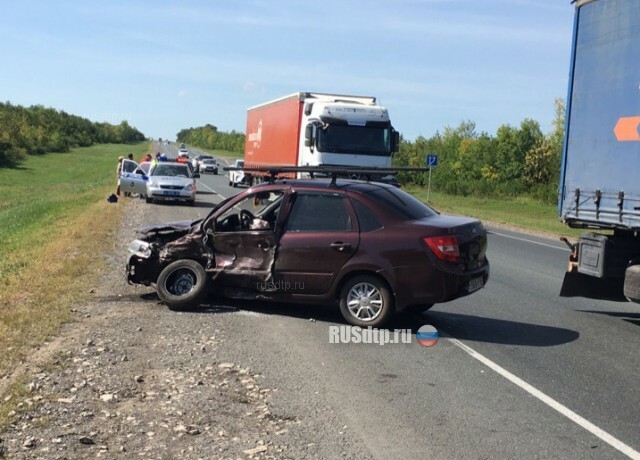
(119, 172)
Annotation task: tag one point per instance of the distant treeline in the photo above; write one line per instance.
(516, 161)
(36, 130)
(208, 137)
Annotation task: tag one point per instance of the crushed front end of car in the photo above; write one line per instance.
(159, 245)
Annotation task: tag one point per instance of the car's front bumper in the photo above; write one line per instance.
(167, 194)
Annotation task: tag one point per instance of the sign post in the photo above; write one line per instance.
(432, 161)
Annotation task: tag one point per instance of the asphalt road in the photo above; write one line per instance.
(518, 373)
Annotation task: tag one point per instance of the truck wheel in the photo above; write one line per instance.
(182, 284)
(632, 283)
(366, 301)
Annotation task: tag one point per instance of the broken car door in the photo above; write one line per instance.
(244, 241)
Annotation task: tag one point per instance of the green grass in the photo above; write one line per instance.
(55, 227)
(521, 212)
(43, 189)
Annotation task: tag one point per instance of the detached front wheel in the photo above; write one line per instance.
(182, 284)
(366, 301)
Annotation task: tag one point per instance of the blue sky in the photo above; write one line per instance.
(164, 66)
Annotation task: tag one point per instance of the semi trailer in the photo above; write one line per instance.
(600, 176)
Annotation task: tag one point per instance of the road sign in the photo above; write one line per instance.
(432, 160)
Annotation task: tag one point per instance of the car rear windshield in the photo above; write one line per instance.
(405, 206)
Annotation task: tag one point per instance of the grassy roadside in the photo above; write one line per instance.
(522, 212)
(55, 224)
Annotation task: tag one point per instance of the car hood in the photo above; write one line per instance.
(182, 225)
(171, 180)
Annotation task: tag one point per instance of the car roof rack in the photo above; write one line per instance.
(332, 171)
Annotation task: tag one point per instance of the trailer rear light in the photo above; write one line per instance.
(444, 247)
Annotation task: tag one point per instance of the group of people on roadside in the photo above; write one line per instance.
(147, 158)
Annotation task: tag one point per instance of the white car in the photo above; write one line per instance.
(237, 177)
(196, 162)
(167, 181)
(183, 153)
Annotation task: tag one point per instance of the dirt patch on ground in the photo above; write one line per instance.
(131, 378)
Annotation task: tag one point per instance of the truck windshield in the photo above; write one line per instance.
(355, 139)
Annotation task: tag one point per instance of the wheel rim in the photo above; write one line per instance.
(365, 302)
(181, 281)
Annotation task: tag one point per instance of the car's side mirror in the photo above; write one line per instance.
(396, 141)
(308, 134)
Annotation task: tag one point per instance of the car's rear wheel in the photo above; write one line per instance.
(182, 284)
(365, 301)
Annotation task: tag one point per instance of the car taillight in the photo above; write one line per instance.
(444, 247)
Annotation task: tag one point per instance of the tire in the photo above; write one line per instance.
(149, 199)
(419, 308)
(365, 301)
(632, 283)
(182, 284)
(191, 202)
(230, 183)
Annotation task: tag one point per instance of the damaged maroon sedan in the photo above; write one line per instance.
(368, 247)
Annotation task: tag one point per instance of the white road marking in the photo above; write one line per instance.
(529, 241)
(210, 189)
(581, 421)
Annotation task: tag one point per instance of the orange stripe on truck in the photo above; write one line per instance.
(627, 129)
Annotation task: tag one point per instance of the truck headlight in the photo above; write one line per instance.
(140, 249)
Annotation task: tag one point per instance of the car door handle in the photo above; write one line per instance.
(340, 246)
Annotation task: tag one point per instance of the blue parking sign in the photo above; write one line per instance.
(432, 160)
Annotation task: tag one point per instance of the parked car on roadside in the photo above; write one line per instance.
(166, 181)
(368, 247)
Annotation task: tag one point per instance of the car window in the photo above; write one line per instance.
(144, 168)
(366, 218)
(129, 166)
(258, 211)
(400, 203)
(320, 212)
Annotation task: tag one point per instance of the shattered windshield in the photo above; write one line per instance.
(372, 140)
